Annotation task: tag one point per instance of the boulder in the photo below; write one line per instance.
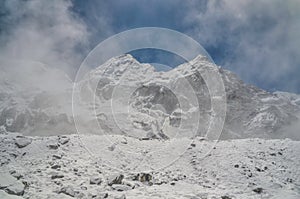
(55, 175)
(11, 185)
(52, 145)
(5, 195)
(68, 190)
(63, 140)
(102, 195)
(119, 187)
(95, 180)
(22, 142)
(115, 179)
(123, 196)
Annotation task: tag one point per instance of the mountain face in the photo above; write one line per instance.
(122, 100)
(126, 97)
(160, 104)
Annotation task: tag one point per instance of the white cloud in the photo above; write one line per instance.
(262, 38)
(44, 31)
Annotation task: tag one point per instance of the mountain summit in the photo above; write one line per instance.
(148, 103)
(123, 96)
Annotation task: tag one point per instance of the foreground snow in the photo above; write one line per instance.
(93, 167)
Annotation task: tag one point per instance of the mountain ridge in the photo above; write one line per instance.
(252, 112)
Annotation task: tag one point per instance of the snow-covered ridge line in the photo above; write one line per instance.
(36, 110)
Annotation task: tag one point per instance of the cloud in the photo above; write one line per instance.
(43, 31)
(258, 40)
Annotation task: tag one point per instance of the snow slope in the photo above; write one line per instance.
(61, 167)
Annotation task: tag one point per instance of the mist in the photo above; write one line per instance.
(48, 32)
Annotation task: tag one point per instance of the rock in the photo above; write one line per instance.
(115, 179)
(132, 184)
(121, 197)
(143, 177)
(112, 147)
(11, 185)
(68, 190)
(56, 166)
(55, 175)
(144, 138)
(16, 174)
(16, 189)
(22, 142)
(80, 195)
(124, 141)
(52, 145)
(63, 140)
(57, 156)
(102, 195)
(5, 195)
(118, 187)
(225, 197)
(95, 180)
(258, 190)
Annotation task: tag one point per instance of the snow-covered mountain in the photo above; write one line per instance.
(154, 104)
(131, 98)
(122, 100)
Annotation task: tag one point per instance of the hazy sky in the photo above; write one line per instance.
(259, 40)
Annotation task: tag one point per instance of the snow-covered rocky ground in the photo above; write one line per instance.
(61, 167)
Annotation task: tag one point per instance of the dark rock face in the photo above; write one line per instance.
(157, 94)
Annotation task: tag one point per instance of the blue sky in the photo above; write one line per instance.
(258, 40)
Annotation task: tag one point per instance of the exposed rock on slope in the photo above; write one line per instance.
(246, 168)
